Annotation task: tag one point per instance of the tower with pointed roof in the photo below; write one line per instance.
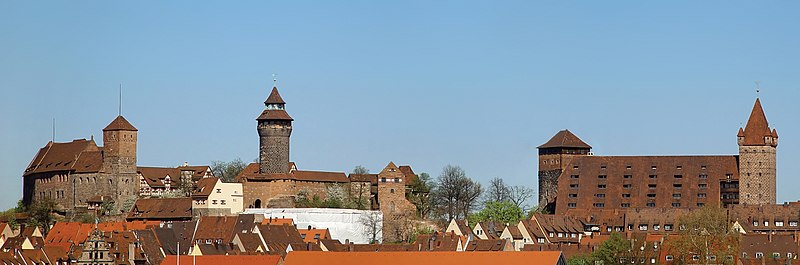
(119, 162)
(553, 156)
(757, 159)
(274, 130)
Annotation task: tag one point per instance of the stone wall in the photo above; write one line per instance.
(757, 175)
(274, 146)
(548, 187)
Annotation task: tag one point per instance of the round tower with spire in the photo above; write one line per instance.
(757, 159)
(274, 130)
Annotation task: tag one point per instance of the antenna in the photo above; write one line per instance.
(120, 99)
(274, 80)
(54, 130)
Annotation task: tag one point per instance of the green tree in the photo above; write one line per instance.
(40, 214)
(420, 194)
(504, 212)
(227, 171)
(611, 250)
(580, 259)
(705, 233)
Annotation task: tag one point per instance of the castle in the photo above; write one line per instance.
(79, 173)
(575, 182)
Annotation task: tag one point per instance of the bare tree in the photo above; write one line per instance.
(455, 195)
(227, 171)
(373, 224)
(360, 170)
(519, 195)
(497, 191)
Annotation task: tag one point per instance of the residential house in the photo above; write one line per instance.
(212, 197)
(488, 230)
(165, 210)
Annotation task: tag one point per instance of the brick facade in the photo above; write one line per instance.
(398, 212)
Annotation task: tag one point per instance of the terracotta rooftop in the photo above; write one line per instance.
(215, 228)
(274, 97)
(120, 124)
(204, 187)
(161, 209)
(757, 127)
(415, 258)
(274, 114)
(251, 173)
(80, 156)
(566, 139)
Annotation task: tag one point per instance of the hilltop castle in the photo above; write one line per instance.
(573, 181)
(79, 173)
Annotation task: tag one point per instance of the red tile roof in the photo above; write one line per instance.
(161, 209)
(223, 259)
(274, 114)
(251, 173)
(274, 97)
(120, 124)
(565, 138)
(204, 187)
(757, 126)
(216, 228)
(80, 156)
(68, 232)
(416, 258)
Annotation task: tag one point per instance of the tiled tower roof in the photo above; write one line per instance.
(565, 138)
(757, 127)
(120, 124)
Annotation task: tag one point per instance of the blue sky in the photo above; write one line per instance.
(425, 83)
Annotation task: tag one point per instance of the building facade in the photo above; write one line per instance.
(575, 182)
(73, 172)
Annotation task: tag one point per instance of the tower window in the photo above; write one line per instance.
(601, 186)
(572, 205)
(574, 176)
(626, 195)
(653, 176)
(602, 176)
(626, 186)
(627, 176)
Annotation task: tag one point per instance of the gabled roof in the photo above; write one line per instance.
(161, 209)
(567, 139)
(120, 124)
(204, 187)
(80, 156)
(216, 227)
(757, 126)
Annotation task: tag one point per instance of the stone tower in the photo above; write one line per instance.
(119, 162)
(274, 129)
(396, 209)
(554, 156)
(757, 159)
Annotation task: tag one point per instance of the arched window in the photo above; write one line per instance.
(257, 204)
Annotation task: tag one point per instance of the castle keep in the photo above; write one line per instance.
(77, 173)
(575, 182)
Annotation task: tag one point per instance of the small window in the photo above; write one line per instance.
(626, 195)
(759, 255)
(669, 258)
(627, 186)
(573, 186)
(600, 195)
(703, 176)
(703, 167)
(651, 204)
(702, 185)
(391, 190)
(213, 201)
(766, 223)
(601, 186)
(755, 223)
(656, 227)
(677, 185)
(602, 167)
(678, 167)
(574, 176)
(599, 205)
(653, 176)
(695, 257)
(575, 167)
(627, 176)
(701, 195)
(668, 227)
(602, 176)
(572, 205)
(654, 168)
(678, 176)
(793, 223)
(625, 205)
(628, 167)
(643, 227)
(651, 186)
(651, 195)
(676, 195)
(573, 195)
(700, 204)
(676, 204)
(778, 223)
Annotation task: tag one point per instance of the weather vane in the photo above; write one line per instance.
(274, 80)
(758, 88)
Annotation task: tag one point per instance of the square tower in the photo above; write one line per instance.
(553, 157)
(757, 159)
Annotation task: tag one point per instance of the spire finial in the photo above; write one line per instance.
(54, 130)
(274, 80)
(120, 99)
(758, 89)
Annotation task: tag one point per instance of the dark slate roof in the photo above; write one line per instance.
(274, 97)
(120, 124)
(565, 138)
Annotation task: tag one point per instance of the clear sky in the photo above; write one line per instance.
(425, 83)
